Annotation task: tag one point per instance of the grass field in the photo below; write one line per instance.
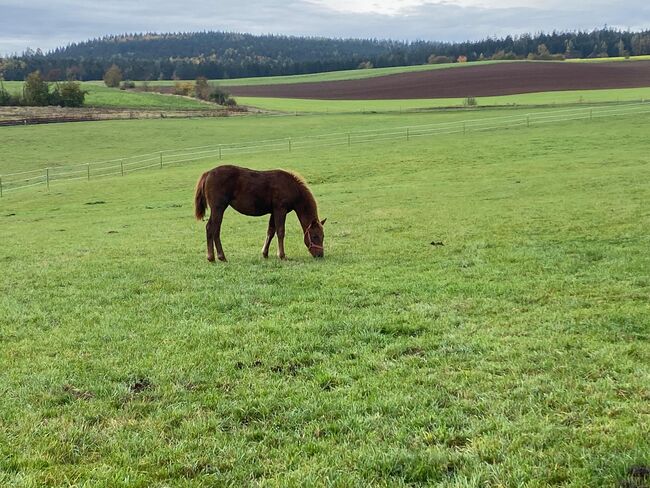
(524, 99)
(107, 140)
(516, 354)
(102, 96)
(605, 60)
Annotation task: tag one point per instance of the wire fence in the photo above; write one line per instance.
(129, 164)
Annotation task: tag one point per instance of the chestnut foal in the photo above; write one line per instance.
(255, 193)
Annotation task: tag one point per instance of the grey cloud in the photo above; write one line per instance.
(48, 24)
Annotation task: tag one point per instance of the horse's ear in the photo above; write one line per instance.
(322, 222)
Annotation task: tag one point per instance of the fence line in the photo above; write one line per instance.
(129, 164)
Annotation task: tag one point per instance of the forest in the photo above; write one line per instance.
(223, 55)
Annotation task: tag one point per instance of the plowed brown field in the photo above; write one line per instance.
(477, 81)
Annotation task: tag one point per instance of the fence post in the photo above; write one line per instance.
(527, 120)
(88, 167)
(289, 144)
(122, 167)
(349, 139)
(47, 177)
(219, 151)
(464, 128)
(0, 186)
(160, 159)
(407, 134)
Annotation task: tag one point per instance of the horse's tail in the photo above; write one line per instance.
(200, 203)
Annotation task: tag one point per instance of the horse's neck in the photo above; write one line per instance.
(307, 211)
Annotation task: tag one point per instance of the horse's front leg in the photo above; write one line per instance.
(209, 234)
(279, 217)
(269, 237)
(218, 218)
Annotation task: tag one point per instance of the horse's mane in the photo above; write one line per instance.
(303, 185)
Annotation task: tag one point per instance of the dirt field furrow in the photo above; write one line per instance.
(477, 81)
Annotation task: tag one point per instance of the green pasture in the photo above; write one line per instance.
(100, 95)
(644, 57)
(108, 140)
(572, 97)
(480, 317)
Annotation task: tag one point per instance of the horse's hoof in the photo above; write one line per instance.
(222, 258)
(211, 259)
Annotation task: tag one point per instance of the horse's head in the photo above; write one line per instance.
(315, 237)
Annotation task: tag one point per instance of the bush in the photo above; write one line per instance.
(7, 99)
(222, 98)
(365, 65)
(68, 94)
(501, 55)
(36, 91)
(183, 88)
(433, 59)
(113, 76)
(202, 89)
(470, 102)
(127, 85)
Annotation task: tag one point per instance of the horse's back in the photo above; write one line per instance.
(250, 191)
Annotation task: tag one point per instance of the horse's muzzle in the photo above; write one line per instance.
(316, 251)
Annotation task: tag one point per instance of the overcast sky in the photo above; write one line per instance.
(47, 24)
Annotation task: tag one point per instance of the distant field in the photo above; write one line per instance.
(526, 99)
(605, 60)
(102, 96)
(370, 73)
(356, 74)
(478, 81)
(515, 352)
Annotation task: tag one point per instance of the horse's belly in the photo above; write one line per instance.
(251, 207)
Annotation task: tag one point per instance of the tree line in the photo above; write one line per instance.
(223, 55)
(36, 92)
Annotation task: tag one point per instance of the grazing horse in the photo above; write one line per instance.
(256, 193)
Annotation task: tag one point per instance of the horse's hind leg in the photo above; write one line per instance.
(269, 237)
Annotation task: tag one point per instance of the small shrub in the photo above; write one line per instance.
(127, 85)
(183, 88)
(433, 59)
(470, 102)
(503, 55)
(68, 94)
(113, 76)
(36, 91)
(222, 98)
(7, 99)
(365, 65)
(202, 89)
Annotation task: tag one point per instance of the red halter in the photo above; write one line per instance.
(311, 243)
